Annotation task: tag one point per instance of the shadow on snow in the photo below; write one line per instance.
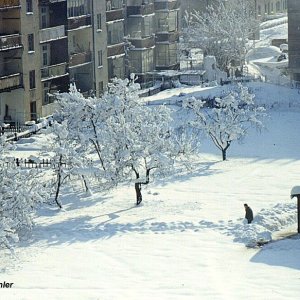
(282, 253)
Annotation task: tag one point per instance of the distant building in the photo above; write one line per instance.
(294, 38)
(264, 8)
(47, 44)
(267, 8)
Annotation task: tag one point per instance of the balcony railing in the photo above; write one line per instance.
(80, 58)
(115, 50)
(77, 22)
(167, 37)
(10, 82)
(145, 9)
(4, 4)
(52, 33)
(167, 5)
(143, 43)
(113, 15)
(11, 41)
(47, 2)
(54, 71)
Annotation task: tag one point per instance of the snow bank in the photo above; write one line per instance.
(266, 222)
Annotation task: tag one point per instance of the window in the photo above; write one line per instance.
(99, 21)
(30, 42)
(33, 114)
(44, 17)
(45, 55)
(29, 6)
(100, 87)
(32, 79)
(100, 58)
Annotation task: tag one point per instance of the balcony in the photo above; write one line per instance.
(143, 42)
(145, 9)
(78, 59)
(171, 37)
(10, 82)
(54, 71)
(113, 15)
(115, 50)
(47, 2)
(167, 5)
(52, 33)
(5, 4)
(77, 22)
(11, 41)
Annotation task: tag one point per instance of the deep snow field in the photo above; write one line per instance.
(187, 240)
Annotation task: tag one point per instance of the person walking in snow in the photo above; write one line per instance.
(249, 213)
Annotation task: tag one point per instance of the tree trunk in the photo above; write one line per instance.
(59, 182)
(138, 191)
(57, 190)
(85, 184)
(224, 154)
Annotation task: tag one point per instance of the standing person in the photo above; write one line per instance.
(249, 213)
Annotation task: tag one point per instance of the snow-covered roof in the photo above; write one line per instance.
(295, 191)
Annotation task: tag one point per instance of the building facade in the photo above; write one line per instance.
(153, 36)
(47, 44)
(294, 39)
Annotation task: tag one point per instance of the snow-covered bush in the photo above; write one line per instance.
(21, 191)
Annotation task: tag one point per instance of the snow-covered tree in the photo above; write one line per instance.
(229, 119)
(68, 159)
(223, 30)
(130, 139)
(21, 191)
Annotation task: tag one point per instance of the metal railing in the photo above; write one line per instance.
(10, 41)
(52, 33)
(9, 3)
(54, 70)
(9, 82)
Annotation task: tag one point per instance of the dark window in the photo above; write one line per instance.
(29, 6)
(99, 26)
(32, 79)
(100, 58)
(33, 114)
(30, 42)
(100, 87)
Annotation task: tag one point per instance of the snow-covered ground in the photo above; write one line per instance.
(262, 59)
(187, 239)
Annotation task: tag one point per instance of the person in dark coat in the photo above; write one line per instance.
(249, 213)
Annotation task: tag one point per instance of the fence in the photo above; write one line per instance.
(14, 133)
(13, 129)
(30, 163)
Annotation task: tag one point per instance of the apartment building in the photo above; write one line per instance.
(141, 38)
(294, 39)
(47, 44)
(115, 23)
(153, 36)
(20, 76)
(167, 14)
